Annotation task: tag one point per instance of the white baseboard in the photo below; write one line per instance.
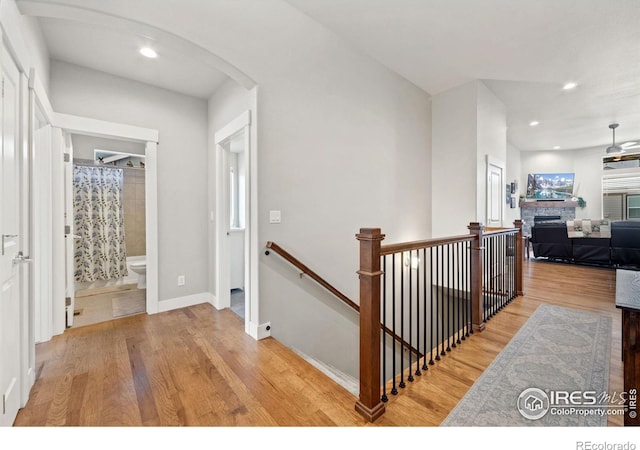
(188, 300)
(259, 331)
(343, 379)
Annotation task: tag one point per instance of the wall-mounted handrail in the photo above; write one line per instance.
(322, 282)
(314, 276)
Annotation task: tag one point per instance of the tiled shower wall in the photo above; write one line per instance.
(134, 212)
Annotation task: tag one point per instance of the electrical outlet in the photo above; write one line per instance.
(181, 280)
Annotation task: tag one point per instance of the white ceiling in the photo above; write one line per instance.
(116, 52)
(524, 50)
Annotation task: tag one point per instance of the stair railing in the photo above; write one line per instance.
(434, 294)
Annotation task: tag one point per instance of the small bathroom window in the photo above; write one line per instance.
(233, 199)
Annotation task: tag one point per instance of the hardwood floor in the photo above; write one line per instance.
(196, 366)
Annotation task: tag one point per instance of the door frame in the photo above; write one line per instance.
(70, 124)
(245, 122)
(240, 124)
(112, 130)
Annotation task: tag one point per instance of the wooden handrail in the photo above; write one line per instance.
(389, 249)
(322, 282)
(317, 278)
(494, 230)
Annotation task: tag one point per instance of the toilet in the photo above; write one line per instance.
(140, 267)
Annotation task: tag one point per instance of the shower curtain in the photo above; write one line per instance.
(100, 252)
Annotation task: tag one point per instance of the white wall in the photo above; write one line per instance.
(585, 163)
(491, 141)
(344, 143)
(182, 161)
(27, 42)
(469, 123)
(227, 103)
(454, 160)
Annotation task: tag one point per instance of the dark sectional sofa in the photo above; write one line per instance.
(550, 240)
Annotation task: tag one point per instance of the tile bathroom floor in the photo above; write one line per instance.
(108, 303)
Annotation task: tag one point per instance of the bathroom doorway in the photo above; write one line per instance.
(236, 171)
(233, 229)
(107, 270)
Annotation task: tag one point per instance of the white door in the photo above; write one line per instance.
(10, 289)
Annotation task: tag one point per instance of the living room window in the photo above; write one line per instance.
(633, 207)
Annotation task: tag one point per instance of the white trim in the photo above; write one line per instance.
(102, 128)
(187, 300)
(56, 234)
(253, 327)
(151, 223)
(260, 331)
(9, 15)
(223, 295)
(233, 127)
(495, 162)
(27, 343)
(35, 83)
(112, 130)
(244, 122)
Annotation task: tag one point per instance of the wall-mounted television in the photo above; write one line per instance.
(550, 186)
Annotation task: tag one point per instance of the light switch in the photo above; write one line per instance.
(275, 217)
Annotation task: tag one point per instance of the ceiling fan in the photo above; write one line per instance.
(618, 149)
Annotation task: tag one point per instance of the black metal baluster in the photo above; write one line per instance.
(493, 258)
(514, 268)
(438, 289)
(394, 390)
(458, 291)
(454, 296)
(424, 308)
(499, 277)
(417, 269)
(402, 269)
(442, 294)
(485, 277)
(502, 274)
(431, 327)
(410, 268)
(449, 297)
(384, 397)
(465, 295)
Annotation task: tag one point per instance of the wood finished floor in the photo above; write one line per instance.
(196, 366)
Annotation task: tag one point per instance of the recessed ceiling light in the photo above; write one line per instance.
(569, 86)
(148, 52)
(557, 147)
(534, 123)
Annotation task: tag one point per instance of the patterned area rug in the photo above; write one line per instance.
(557, 350)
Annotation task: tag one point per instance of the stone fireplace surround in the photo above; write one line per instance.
(529, 209)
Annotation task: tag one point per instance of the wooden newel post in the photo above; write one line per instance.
(369, 404)
(519, 256)
(477, 302)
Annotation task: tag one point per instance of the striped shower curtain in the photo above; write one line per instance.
(100, 252)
